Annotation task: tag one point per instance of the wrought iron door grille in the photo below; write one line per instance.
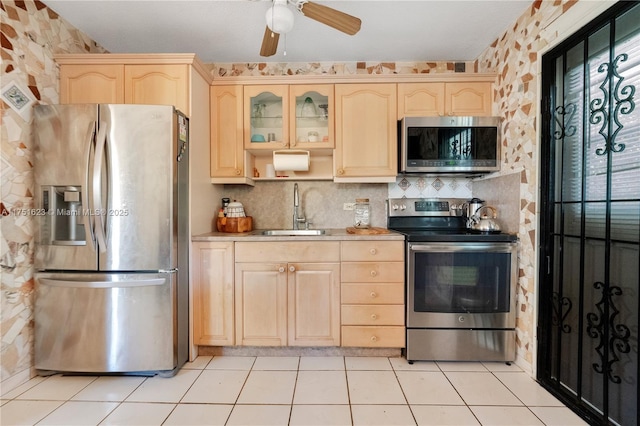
(590, 222)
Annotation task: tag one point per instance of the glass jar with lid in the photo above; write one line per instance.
(361, 213)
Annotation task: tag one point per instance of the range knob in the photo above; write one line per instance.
(394, 207)
(403, 207)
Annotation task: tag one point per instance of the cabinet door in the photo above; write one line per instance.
(266, 112)
(80, 84)
(227, 150)
(366, 132)
(470, 98)
(213, 315)
(311, 116)
(158, 84)
(261, 304)
(420, 99)
(314, 304)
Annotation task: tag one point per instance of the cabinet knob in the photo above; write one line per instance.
(374, 316)
(374, 339)
(238, 172)
(292, 268)
(374, 294)
(373, 251)
(340, 171)
(373, 273)
(281, 269)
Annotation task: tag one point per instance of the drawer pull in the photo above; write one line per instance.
(374, 273)
(374, 317)
(374, 294)
(373, 251)
(281, 269)
(292, 268)
(374, 339)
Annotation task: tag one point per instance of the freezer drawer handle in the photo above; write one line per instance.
(102, 284)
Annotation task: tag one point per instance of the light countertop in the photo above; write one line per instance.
(330, 235)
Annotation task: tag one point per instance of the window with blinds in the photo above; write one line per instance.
(598, 130)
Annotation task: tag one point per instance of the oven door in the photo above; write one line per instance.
(461, 285)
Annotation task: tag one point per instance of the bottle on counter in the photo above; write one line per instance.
(361, 214)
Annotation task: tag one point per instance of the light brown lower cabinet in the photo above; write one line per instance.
(372, 305)
(302, 293)
(212, 277)
(287, 294)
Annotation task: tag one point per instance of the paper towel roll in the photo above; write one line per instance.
(291, 160)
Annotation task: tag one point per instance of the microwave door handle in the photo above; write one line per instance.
(85, 200)
(97, 210)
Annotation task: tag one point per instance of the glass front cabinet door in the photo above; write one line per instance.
(311, 116)
(265, 117)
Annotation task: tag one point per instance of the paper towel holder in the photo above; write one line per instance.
(291, 160)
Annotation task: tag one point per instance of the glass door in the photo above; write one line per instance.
(265, 117)
(311, 112)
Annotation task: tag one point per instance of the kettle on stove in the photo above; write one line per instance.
(481, 222)
(470, 208)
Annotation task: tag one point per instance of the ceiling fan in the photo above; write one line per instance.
(280, 21)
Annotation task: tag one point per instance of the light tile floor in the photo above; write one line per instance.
(230, 390)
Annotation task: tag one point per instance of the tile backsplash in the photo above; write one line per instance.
(430, 187)
(322, 202)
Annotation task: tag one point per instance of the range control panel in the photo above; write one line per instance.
(425, 206)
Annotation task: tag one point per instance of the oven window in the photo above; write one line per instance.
(477, 282)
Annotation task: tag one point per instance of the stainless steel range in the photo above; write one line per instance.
(460, 284)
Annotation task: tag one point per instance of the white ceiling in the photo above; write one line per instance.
(226, 31)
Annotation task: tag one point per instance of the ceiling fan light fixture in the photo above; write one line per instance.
(279, 19)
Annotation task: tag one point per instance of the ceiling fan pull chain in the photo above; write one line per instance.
(285, 44)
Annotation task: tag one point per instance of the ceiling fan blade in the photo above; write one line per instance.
(269, 43)
(334, 18)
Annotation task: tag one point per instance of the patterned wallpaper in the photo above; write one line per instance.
(514, 58)
(30, 35)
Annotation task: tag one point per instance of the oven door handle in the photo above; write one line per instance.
(490, 247)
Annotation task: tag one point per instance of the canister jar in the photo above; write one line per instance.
(362, 214)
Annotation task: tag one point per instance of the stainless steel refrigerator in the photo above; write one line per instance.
(112, 239)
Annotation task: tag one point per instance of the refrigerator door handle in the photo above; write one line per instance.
(85, 200)
(101, 284)
(97, 210)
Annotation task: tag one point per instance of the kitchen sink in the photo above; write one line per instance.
(293, 232)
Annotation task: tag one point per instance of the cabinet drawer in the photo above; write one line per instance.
(373, 337)
(299, 251)
(372, 251)
(372, 272)
(372, 315)
(372, 294)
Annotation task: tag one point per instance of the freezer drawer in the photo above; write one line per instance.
(106, 323)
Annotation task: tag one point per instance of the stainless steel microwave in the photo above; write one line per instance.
(449, 144)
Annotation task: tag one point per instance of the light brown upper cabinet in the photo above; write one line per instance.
(156, 79)
(440, 99)
(227, 149)
(311, 112)
(366, 133)
(266, 118)
(157, 84)
(80, 84)
(153, 84)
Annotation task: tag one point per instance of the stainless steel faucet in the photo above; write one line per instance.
(297, 220)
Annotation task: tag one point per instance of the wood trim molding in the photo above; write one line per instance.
(356, 78)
